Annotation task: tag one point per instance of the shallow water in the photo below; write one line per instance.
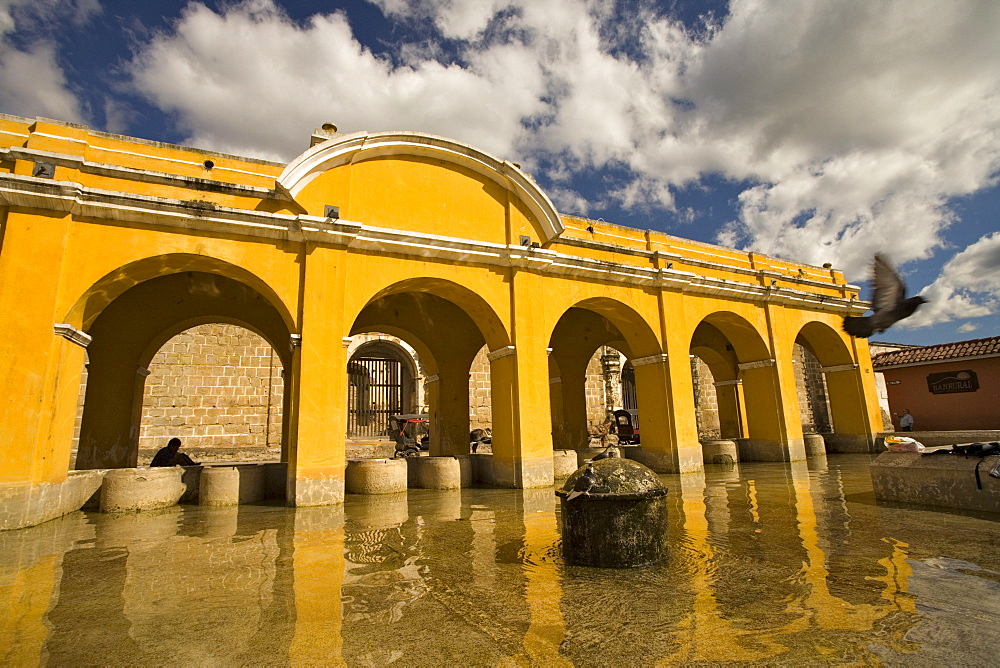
(769, 563)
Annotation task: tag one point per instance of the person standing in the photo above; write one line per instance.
(906, 421)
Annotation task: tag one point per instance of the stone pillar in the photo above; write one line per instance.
(731, 423)
(772, 437)
(41, 359)
(612, 370)
(854, 406)
(317, 453)
(522, 420)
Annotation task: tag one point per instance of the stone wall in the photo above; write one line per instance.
(705, 399)
(814, 405)
(480, 411)
(213, 386)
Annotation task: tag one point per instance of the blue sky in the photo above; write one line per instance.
(819, 130)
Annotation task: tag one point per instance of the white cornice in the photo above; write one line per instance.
(104, 205)
(362, 145)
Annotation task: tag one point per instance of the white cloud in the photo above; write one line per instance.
(854, 124)
(32, 83)
(968, 287)
(252, 81)
(967, 327)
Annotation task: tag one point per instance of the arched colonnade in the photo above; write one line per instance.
(427, 240)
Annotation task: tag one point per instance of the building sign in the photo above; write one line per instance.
(952, 381)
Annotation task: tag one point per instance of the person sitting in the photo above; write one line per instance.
(170, 455)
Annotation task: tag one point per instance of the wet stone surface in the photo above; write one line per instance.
(620, 521)
(767, 563)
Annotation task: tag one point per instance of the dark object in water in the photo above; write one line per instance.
(614, 515)
(889, 302)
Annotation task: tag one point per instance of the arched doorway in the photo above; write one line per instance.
(382, 381)
(447, 326)
(129, 331)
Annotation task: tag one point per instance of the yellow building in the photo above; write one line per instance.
(111, 245)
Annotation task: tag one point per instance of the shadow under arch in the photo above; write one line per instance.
(582, 330)
(481, 313)
(749, 398)
(447, 324)
(131, 328)
(844, 387)
(109, 287)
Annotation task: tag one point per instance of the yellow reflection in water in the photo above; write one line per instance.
(830, 612)
(319, 574)
(547, 628)
(28, 593)
(704, 634)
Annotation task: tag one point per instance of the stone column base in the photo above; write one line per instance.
(849, 443)
(946, 481)
(130, 490)
(720, 451)
(564, 464)
(436, 472)
(27, 505)
(375, 476)
(533, 473)
(316, 489)
(756, 450)
(815, 444)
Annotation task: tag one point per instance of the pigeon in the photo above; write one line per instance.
(889, 302)
(583, 483)
(609, 451)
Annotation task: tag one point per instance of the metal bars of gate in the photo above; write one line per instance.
(374, 395)
(629, 401)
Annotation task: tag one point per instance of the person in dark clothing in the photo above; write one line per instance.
(171, 455)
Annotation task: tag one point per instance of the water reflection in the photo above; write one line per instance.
(768, 563)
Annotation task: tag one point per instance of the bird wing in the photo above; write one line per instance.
(888, 286)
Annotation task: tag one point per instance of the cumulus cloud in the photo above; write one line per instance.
(32, 83)
(968, 287)
(853, 125)
(252, 81)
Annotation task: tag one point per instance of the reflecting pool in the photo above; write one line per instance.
(771, 563)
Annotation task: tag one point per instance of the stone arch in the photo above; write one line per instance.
(368, 409)
(449, 324)
(754, 400)
(134, 323)
(352, 148)
(109, 287)
(844, 386)
(579, 332)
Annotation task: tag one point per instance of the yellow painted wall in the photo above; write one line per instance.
(421, 219)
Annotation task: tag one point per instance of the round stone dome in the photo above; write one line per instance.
(617, 476)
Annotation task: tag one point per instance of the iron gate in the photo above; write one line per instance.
(374, 394)
(628, 388)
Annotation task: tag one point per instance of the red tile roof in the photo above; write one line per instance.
(938, 353)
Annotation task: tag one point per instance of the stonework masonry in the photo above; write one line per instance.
(215, 386)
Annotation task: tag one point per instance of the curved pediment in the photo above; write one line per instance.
(411, 157)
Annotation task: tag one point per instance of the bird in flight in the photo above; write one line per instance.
(889, 302)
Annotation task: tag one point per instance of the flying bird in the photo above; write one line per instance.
(583, 483)
(889, 302)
